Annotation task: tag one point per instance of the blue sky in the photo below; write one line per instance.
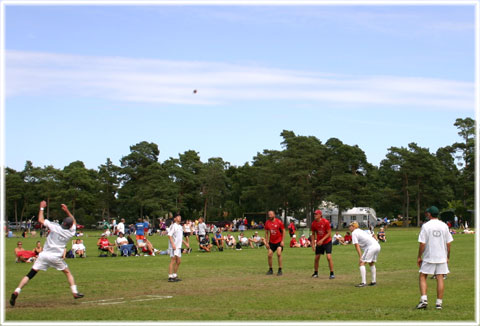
(86, 82)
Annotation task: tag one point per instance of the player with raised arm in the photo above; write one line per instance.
(274, 237)
(52, 253)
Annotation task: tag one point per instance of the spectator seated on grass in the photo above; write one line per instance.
(134, 247)
(22, 255)
(123, 245)
(79, 249)
(205, 244)
(468, 231)
(338, 239)
(146, 247)
(294, 243)
(257, 240)
(347, 238)
(38, 248)
(230, 241)
(243, 241)
(105, 246)
(304, 242)
(217, 239)
(381, 235)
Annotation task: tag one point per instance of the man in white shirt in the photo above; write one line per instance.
(52, 253)
(364, 241)
(434, 239)
(121, 226)
(175, 239)
(202, 230)
(122, 244)
(78, 248)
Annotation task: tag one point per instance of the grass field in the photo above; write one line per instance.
(232, 285)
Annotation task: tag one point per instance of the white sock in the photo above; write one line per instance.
(423, 298)
(373, 269)
(18, 290)
(439, 301)
(363, 273)
(174, 275)
(74, 288)
(170, 275)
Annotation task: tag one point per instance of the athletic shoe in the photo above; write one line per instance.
(114, 255)
(315, 275)
(332, 277)
(438, 306)
(372, 284)
(270, 272)
(78, 295)
(279, 273)
(176, 279)
(13, 298)
(422, 305)
(171, 279)
(361, 285)
(434, 277)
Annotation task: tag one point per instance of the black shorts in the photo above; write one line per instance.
(186, 234)
(325, 248)
(274, 246)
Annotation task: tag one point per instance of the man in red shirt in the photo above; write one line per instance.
(274, 236)
(321, 240)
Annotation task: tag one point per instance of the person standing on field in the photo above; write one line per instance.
(433, 255)
(274, 237)
(175, 239)
(364, 241)
(52, 253)
(322, 231)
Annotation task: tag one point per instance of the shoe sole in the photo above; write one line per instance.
(13, 298)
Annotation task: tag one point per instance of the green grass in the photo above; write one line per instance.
(232, 285)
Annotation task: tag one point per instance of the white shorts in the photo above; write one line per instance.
(431, 268)
(177, 252)
(244, 241)
(45, 261)
(370, 254)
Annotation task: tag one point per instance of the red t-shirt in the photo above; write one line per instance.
(26, 253)
(347, 237)
(293, 242)
(104, 243)
(276, 230)
(321, 228)
(291, 228)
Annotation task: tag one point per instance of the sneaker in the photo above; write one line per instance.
(279, 273)
(315, 275)
(332, 277)
(78, 295)
(438, 306)
(114, 255)
(422, 305)
(171, 279)
(361, 285)
(434, 277)
(270, 272)
(13, 298)
(176, 279)
(372, 284)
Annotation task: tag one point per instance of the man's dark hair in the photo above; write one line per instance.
(67, 223)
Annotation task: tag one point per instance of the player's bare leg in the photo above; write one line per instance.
(279, 256)
(270, 262)
(316, 261)
(422, 280)
(71, 281)
(22, 283)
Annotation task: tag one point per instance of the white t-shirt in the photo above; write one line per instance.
(435, 235)
(243, 239)
(121, 241)
(78, 246)
(337, 236)
(121, 227)
(176, 232)
(202, 228)
(364, 239)
(187, 228)
(57, 238)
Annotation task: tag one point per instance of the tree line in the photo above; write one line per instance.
(295, 179)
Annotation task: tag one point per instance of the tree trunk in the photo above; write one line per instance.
(16, 212)
(418, 203)
(339, 218)
(205, 209)
(407, 199)
(48, 207)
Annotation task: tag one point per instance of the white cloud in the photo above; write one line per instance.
(172, 82)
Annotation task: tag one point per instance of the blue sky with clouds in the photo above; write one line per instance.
(86, 82)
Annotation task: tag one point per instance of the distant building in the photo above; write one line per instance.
(364, 216)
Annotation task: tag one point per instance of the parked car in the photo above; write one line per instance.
(14, 226)
(80, 226)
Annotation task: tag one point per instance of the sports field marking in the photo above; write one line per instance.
(148, 297)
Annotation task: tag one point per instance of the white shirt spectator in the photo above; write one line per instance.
(121, 241)
(202, 228)
(363, 239)
(121, 227)
(78, 246)
(435, 235)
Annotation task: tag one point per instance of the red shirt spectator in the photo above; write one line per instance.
(347, 237)
(321, 228)
(291, 228)
(293, 242)
(276, 229)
